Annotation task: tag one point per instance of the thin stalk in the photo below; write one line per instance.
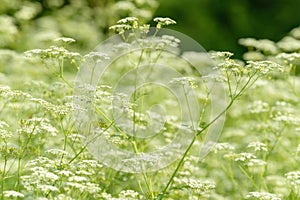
(230, 174)
(249, 177)
(190, 112)
(161, 196)
(111, 122)
(3, 176)
(135, 88)
(229, 84)
(93, 71)
(85, 146)
(19, 174)
(65, 141)
(61, 72)
(145, 177)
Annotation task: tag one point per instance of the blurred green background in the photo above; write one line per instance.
(218, 24)
(215, 24)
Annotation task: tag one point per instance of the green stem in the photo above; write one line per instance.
(85, 146)
(111, 122)
(229, 84)
(161, 196)
(145, 177)
(228, 171)
(3, 175)
(189, 109)
(19, 174)
(249, 177)
(65, 140)
(61, 72)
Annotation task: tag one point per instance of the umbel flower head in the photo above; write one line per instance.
(65, 40)
(163, 21)
(262, 196)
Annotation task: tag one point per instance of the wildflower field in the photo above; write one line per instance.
(147, 114)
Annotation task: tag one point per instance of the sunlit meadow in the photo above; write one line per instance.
(43, 154)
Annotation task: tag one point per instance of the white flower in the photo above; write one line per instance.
(289, 44)
(65, 173)
(264, 66)
(128, 194)
(202, 186)
(222, 147)
(57, 152)
(289, 57)
(120, 28)
(259, 107)
(46, 175)
(12, 193)
(286, 117)
(88, 164)
(77, 179)
(127, 20)
(162, 21)
(36, 126)
(76, 137)
(262, 196)
(56, 109)
(263, 45)
(220, 55)
(65, 40)
(47, 188)
(256, 163)
(244, 157)
(258, 146)
(83, 172)
(293, 177)
(296, 33)
(5, 134)
(79, 186)
(124, 5)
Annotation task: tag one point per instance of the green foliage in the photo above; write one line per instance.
(218, 24)
(41, 151)
(34, 24)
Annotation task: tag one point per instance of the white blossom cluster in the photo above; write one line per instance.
(262, 196)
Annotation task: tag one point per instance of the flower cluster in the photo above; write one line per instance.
(132, 23)
(163, 21)
(199, 186)
(264, 45)
(262, 196)
(60, 110)
(258, 107)
(12, 95)
(293, 177)
(263, 67)
(223, 147)
(37, 126)
(46, 172)
(12, 194)
(65, 40)
(4, 132)
(289, 44)
(54, 52)
(258, 146)
(125, 24)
